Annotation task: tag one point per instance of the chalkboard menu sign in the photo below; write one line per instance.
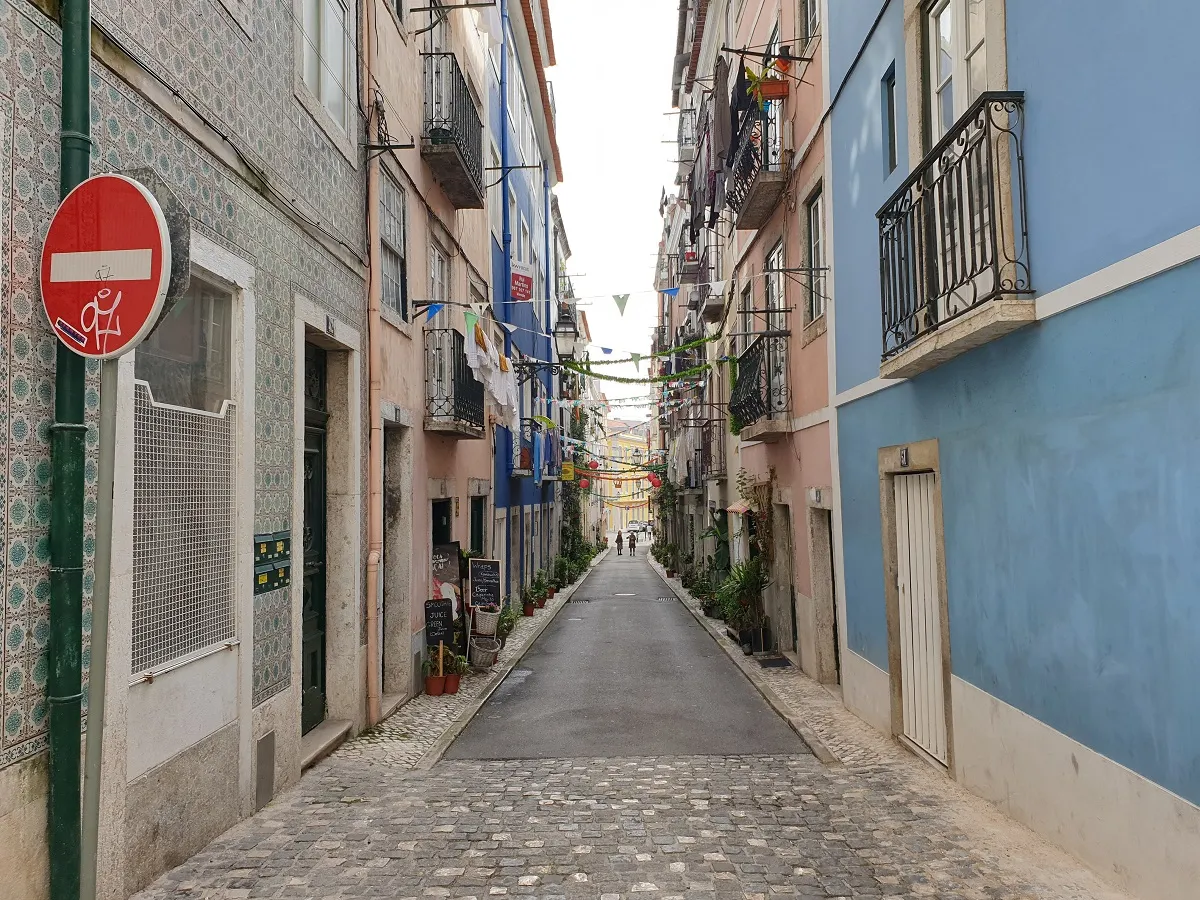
(439, 623)
(485, 581)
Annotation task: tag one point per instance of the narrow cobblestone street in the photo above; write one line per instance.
(734, 825)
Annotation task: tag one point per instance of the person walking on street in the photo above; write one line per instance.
(620, 542)
(633, 543)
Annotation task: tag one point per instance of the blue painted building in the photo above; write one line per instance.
(523, 166)
(1015, 207)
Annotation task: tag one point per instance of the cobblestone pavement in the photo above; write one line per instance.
(880, 824)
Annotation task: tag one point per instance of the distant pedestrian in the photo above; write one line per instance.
(633, 543)
(620, 542)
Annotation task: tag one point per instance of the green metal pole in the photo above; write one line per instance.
(65, 688)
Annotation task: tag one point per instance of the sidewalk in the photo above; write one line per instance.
(844, 742)
(418, 733)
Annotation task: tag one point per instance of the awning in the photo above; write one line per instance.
(740, 508)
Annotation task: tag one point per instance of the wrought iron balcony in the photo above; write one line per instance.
(712, 447)
(759, 170)
(687, 135)
(759, 399)
(689, 264)
(452, 136)
(453, 395)
(954, 238)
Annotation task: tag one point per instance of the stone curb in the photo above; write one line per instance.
(784, 711)
(438, 750)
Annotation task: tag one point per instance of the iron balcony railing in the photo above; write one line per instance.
(954, 235)
(760, 389)
(450, 114)
(712, 447)
(453, 395)
(756, 149)
(687, 134)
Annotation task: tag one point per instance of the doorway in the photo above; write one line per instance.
(396, 646)
(826, 639)
(443, 522)
(920, 606)
(316, 418)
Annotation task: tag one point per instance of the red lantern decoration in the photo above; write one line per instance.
(584, 483)
(593, 464)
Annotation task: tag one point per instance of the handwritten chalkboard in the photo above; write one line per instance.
(439, 622)
(485, 582)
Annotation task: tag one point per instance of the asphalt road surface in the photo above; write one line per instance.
(624, 674)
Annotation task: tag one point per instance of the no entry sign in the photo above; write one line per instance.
(106, 265)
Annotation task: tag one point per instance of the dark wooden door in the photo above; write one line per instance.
(316, 418)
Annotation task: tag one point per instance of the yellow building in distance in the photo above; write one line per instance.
(625, 498)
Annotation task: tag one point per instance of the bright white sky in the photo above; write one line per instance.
(612, 86)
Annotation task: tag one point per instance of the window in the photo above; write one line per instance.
(187, 358)
(494, 197)
(890, 135)
(439, 277)
(957, 61)
(523, 246)
(815, 307)
(747, 325)
(325, 36)
(774, 289)
(512, 212)
(812, 18)
(184, 499)
(393, 232)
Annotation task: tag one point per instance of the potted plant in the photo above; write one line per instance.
(506, 623)
(540, 588)
(740, 596)
(672, 555)
(456, 668)
(561, 565)
(435, 679)
(528, 604)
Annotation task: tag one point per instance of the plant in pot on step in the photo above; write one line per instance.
(434, 671)
(562, 571)
(740, 596)
(506, 623)
(456, 668)
(540, 588)
(528, 604)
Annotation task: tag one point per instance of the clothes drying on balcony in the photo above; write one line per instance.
(500, 381)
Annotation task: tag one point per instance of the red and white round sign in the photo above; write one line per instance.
(106, 265)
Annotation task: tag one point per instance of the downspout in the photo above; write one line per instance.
(547, 265)
(375, 374)
(64, 688)
(506, 285)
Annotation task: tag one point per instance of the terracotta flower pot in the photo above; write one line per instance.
(452, 683)
(541, 604)
(529, 608)
(773, 89)
(435, 685)
(670, 573)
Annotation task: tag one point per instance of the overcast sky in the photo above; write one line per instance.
(612, 87)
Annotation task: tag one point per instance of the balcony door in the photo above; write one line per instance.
(961, 200)
(441, 72)
(776, 342)
(774, 113)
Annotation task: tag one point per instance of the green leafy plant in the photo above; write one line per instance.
(740, 594)
(458, 665)
(507, 622)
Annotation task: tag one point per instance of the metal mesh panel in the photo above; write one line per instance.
(183, 530)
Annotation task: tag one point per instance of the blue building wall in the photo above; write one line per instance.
(1071, 502)
(1071, 495)
(530, 336)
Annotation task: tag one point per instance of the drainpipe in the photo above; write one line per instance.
(505, 306)
(375, 374)
(64, 694)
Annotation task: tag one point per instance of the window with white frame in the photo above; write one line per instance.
(523, 246)
(957, 60)
(327, 53)
(810, 12)
(184, 498)
(512, 214)
(393, 232)
(815, 302)
(439, 277)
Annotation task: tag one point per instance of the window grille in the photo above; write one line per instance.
(183, 529)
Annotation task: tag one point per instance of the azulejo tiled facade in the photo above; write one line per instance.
(238, 84)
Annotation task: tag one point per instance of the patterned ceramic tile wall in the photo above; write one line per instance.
(244, 90)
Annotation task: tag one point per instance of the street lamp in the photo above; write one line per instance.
(566, 333)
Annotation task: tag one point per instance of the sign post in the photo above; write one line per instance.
(105, 270)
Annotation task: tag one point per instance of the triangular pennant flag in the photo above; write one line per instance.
(433, 309)
(717, 287)
(637, 361)
(511, 329)
(621, 300)
(606, 349)
(671, 292)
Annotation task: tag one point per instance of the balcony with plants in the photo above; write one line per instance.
(452, 132)
(454, 402)
(759, 171)
(953, 243)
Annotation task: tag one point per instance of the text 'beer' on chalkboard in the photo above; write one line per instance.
(485, 582)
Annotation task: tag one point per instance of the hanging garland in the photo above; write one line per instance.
(653, 379)
(682, 348)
